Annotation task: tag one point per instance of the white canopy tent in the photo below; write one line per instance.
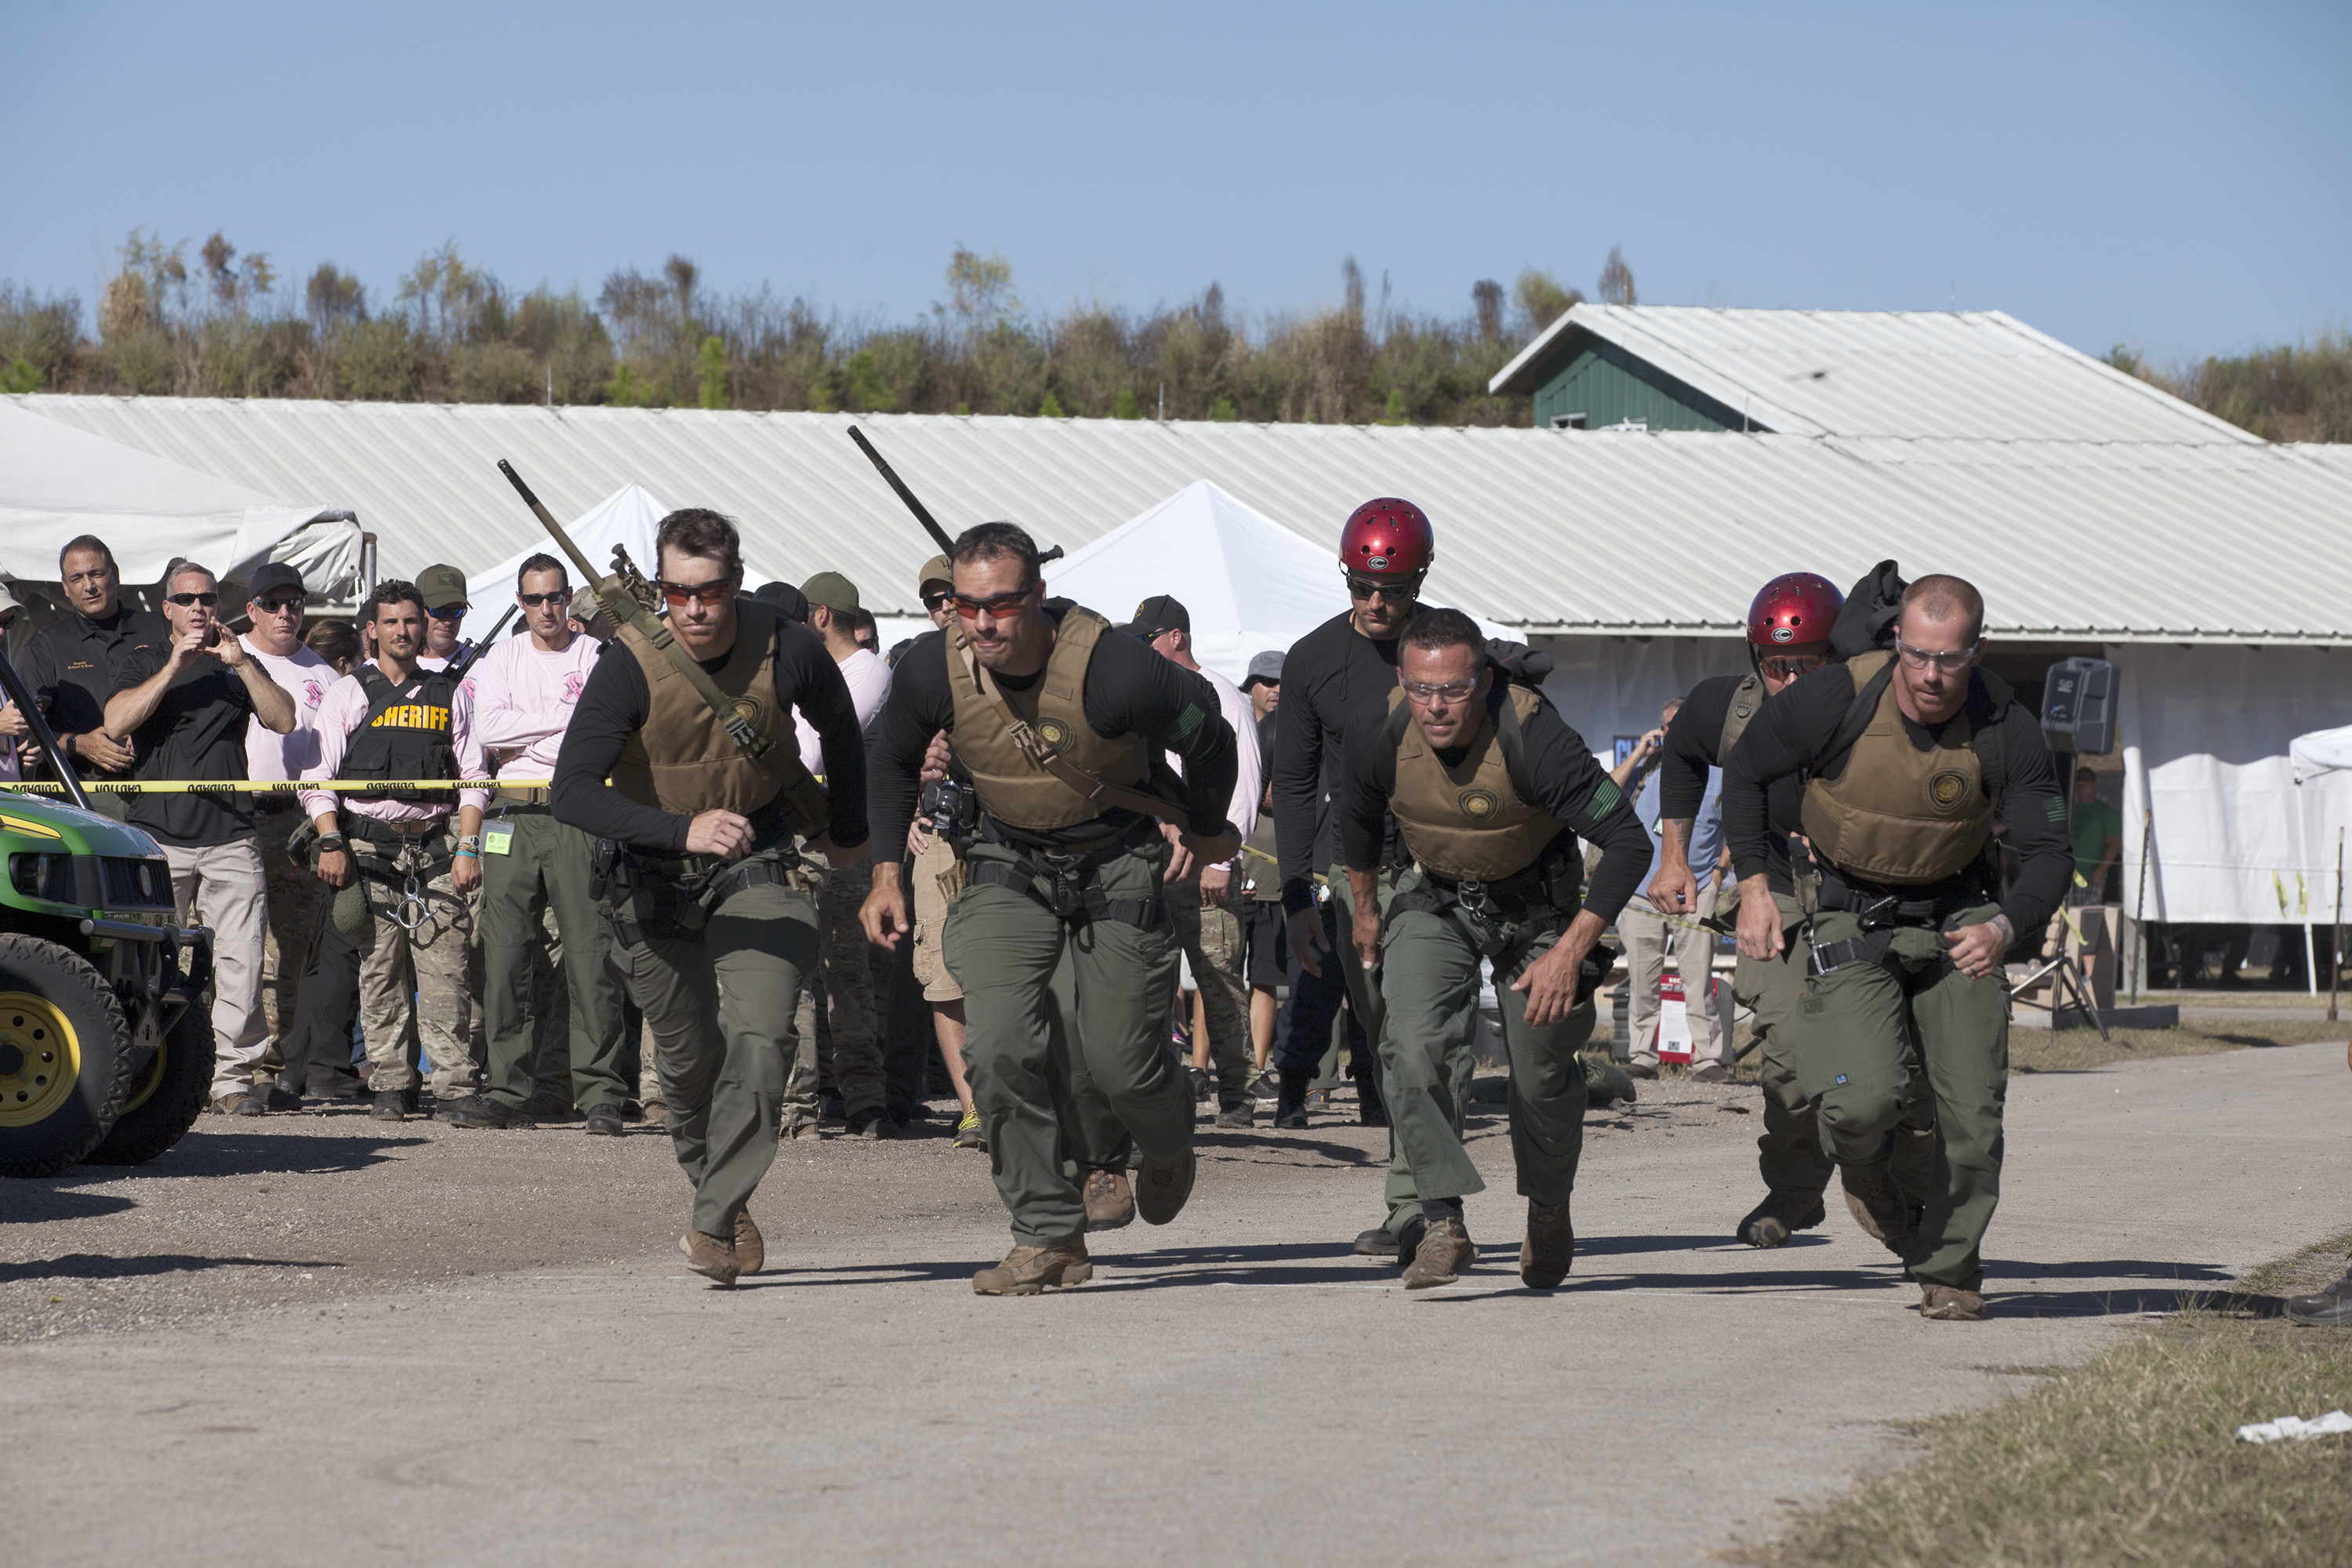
(629, 518)
(58, 482)
(2322, 765)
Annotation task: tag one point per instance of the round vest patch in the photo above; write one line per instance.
(1948, 790)
(1478, 805)
(1055, 733)
(747, 708)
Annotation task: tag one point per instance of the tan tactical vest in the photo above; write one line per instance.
(1467, 823)
(1015, 788)
(1896, 814)
(683, 760)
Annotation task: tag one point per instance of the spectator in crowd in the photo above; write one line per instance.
(786, 598)
(867, 634)
(444, 589)
(19, 753)
(848, 1031)
(1649, 940)
(2098, 839)
(396, 720)
(317, 1045)
(274, 603)
(71, 664)
(1203, 902)
(525, 691)
(937, 877)
(1263, 939)
(184, 707)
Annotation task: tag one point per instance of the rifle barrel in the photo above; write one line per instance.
(922, 513)
(547, 521)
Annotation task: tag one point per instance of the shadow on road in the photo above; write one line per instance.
(31, 1204)
(202, 1153)
(94, 1265)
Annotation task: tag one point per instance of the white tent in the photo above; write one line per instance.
(2320, 751)
(58, 482)
(2322, 765)
(629, 518)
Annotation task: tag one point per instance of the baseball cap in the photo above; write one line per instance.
(831, 590)
(274, 574)
(935, 570)
(1162, 613)
(442, 586)
(786, 598)
(1266, 667)
(7, 600)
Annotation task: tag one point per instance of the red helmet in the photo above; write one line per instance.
(1387, 538)
(1795, 608)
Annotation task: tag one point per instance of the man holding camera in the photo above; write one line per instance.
(1490, 790)
(184, 707)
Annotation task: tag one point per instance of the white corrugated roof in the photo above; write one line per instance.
(1552, 531)
(1908, 374)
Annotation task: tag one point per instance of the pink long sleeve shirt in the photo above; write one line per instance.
(344, 709)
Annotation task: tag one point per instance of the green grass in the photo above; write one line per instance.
(2131, 1457)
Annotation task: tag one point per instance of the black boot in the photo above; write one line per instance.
(1290, 1106)
(1371, 1110)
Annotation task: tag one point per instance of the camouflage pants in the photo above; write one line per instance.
(429, 961)
(1212, 941)
(845, 1036)
(294, 907)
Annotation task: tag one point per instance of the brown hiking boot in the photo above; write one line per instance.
(750, 1251)
(1027, 1270)
(1110, 1202)
(1770, 1223)
(1950, 1304)
(656, 1114)
(1549, 1247)
(1876, 1203)
(1164, 1190)
(712, 1257)
(1444, 1251)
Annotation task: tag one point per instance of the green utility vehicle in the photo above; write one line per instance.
(106, 1048)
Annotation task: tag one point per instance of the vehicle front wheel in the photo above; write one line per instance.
(65, 1064)
(167, 1099)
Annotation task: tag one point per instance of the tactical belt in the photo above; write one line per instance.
(1881, 916)
(1072, 883)
(648, 897)
(1522, 898)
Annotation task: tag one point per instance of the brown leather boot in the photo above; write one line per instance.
(1110, 1202)
(750, 1251)
(1876, 1203)
(1549, 1247)
(1027, 1270)
(1444, 1251)
(1771, 1222)
(1165, 1188)
(1950, 1304)
(712, 1257)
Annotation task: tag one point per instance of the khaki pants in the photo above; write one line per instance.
(1211, 942)
(429, 963)
(223, 887)
(720, 1006)
(937, 877)
(546, 868)
(1648, 940)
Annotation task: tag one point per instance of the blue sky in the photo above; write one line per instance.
(2174, 177)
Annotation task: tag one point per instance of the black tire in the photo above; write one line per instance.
(166, 1100)
(43, 986)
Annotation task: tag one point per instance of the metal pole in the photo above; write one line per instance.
(2335, 947)
(2139, 908)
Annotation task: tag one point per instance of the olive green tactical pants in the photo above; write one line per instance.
(1365, 991)
(1068, 1039)
(1863, 1023)
(1790, 1153)
(531, 862)
(720, 1009)
(1429, 977)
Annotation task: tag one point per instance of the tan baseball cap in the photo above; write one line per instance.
(935, 570)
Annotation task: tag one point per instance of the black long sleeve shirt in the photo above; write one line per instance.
(1567, 780)
(1131, 690)
(1327, 676)
(1790, 733)
(70, 665)
(615, 703)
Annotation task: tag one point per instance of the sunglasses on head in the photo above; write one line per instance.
(278, 607)
(1361, 588)
(718, 591)
(999, 605)
(184, 600)
(533, 601)
(447, 612)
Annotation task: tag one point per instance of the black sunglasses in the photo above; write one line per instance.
(279, 606)
(184, 600)
(447, 612)
(533, 601)
(1394, 593)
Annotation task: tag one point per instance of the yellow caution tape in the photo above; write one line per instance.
(271, 787)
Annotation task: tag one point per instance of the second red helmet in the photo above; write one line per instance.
(1387, 538)
(1793, 608)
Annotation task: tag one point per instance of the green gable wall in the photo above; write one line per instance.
(1608, 387)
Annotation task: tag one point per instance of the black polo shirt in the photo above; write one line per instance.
(72, 664)
(197, 731)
